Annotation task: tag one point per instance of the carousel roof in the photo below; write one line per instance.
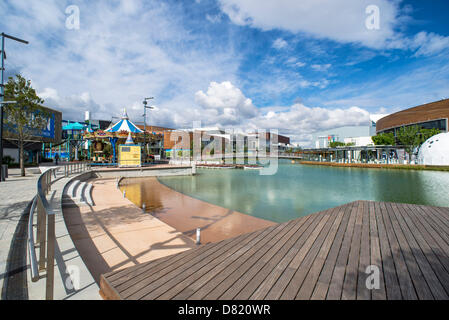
(124, 125)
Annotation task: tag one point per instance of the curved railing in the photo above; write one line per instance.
(45, 226)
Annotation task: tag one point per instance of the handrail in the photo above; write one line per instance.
(45, 228)
(31, 249)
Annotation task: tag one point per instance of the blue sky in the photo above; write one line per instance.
(296, 66)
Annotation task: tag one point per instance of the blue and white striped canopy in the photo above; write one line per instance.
(124, 125)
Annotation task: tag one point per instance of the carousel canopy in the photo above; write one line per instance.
(124, 125)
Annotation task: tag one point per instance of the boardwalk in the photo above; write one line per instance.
(321, 256)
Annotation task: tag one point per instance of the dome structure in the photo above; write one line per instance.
(435, 150)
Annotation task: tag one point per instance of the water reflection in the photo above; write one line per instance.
(297, 190)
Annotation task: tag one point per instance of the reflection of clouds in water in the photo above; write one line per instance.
(297, 190)
(435, 187)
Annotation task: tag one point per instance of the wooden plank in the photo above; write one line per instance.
(437, 222)
(391, 280)
(291, 291)
(375, 254)
(212, 284)
(349, 291)
(279, 269)
(433, 237)
(336, 284)
(254, 270)
(413, 237)
(435, 255)
(322, 285)
(181, 281)
(283, 281)
(315, 270)
(159, 277)
(417, 279)
(243, 267)
(139, 272)
(188, 291)
(154, 290)
(363, 293)
(405, 281)
(320, 256)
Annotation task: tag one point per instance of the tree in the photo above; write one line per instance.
(384, 139)
(409, 137)
(24, 118)
(335, 144)
(427, 133)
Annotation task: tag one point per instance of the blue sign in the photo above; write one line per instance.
(49, 130)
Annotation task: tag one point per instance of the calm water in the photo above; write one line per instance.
(297, 190)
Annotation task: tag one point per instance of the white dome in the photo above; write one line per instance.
(435, 150)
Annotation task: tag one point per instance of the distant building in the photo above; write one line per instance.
(52, 133)
(430, 115)
(358, 135)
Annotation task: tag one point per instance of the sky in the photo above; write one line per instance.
(295, 66)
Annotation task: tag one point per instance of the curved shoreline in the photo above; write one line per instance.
(114, 233)
(185, 213)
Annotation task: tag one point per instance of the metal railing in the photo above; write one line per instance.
(45, 227)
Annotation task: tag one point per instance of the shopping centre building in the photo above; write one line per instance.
(429, 115)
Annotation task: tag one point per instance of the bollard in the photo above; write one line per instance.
(198, 236)
(144, 207)
(124, 193)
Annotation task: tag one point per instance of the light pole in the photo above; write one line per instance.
(145, 107)
(2, 96)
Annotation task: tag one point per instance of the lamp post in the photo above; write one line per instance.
(145, 107)
(2, 95)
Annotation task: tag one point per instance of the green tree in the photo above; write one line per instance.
(384, 139)
(427, 133)
(24, 118)
(335, 144)
(409, 137)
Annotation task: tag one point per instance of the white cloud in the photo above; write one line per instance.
(429, 43)
(343, 21)
(279, 43)
(114, 61)
(230, 103)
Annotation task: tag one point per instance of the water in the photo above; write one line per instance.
(297, 190)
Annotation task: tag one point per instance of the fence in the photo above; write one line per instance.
(45, 226)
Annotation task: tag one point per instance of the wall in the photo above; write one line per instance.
(143, 172)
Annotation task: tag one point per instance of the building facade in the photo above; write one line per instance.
(430, 115)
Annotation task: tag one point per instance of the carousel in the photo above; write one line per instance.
(122, 133)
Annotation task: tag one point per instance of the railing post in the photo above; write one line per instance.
(50, 257)
(41, 231)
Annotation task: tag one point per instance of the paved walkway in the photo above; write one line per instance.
(115, 234)
(16, 193)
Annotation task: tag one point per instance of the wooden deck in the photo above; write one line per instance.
(321, 256)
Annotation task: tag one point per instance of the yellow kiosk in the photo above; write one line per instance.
(129, 154)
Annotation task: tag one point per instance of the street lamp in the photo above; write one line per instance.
(145, 107)
(2, 96)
